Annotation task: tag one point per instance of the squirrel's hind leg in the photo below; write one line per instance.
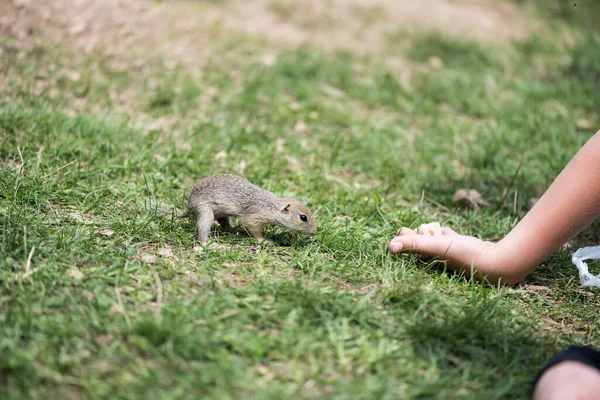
(204, 220)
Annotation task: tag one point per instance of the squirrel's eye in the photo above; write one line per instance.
(303, 218)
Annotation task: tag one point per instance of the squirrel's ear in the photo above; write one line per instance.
(287, 207)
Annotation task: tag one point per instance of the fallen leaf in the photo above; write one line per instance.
(184, 146)
(103, 340)
(107, 232)
(117, 309)
(406, 80)
(294, 163)
(269, 59)
(280, 145)
(77, 217)
(102, 366)
(262, 369)
(583, 124)
(68, 392)
(149, 258)
(165, 252)
(333, 91)
(468, 197)
(13, 165)
(190, 276)
(569, 245)
(294, 106)
(445, 107)
(300, 127)
(536, 288)
(241, 166)
(198, 249)
(220, 155)
(435, 62)
(253, 249)
(75, 274)
(341, 218)
(20, 3)
(73, 75)
(78, 28)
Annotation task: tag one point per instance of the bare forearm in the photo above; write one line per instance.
(569, 205)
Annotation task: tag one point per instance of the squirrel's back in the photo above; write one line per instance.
(233, 193)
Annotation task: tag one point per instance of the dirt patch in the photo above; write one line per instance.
(186, 30)
(363, 25)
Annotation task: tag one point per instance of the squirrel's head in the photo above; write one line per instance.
(296, 217)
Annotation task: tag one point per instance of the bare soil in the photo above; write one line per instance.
(186, 30)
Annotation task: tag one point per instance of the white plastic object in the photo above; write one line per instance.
(587, 253)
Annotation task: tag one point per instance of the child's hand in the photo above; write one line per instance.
(569, 205)
(460, 252)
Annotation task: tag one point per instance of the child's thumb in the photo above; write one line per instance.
(422, 244)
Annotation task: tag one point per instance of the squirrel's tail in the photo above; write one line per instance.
(166, 211)
(185, 214)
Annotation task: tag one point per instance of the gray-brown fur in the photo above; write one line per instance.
(219, 197)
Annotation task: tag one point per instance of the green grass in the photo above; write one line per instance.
(85, 159)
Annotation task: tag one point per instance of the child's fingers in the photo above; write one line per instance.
(448, 231)
(423, 244)
(407, 231)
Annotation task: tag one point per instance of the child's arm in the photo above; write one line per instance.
(569, 205)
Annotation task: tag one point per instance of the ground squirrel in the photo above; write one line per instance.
(223, 196)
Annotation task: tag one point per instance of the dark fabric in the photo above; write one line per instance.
(584, 354)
